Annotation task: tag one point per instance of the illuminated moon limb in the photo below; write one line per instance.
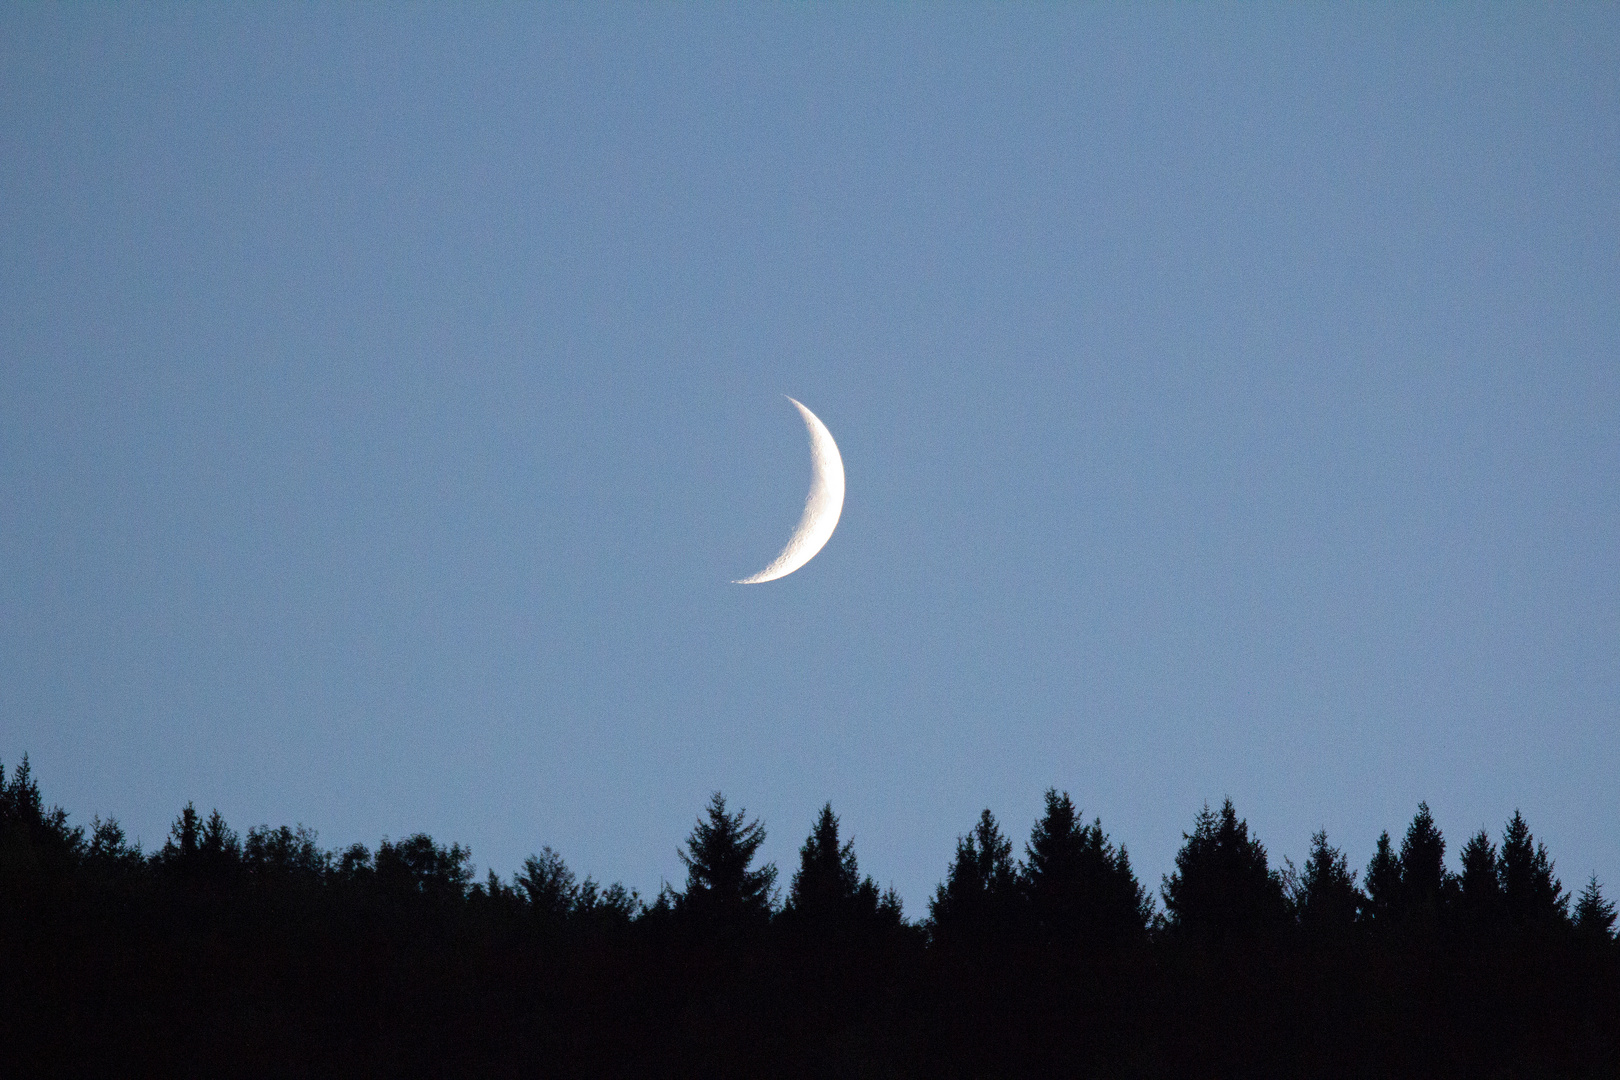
(821, 507)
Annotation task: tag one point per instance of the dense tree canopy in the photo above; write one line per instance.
(277, 949)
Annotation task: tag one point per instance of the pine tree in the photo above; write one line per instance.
(1424, 881)
(20, 801)
(219, 849)
(22, 808)
(179, 854)
(1222, 886)
(1080, 887)
(1594, 916)
(1531, 896)
(828, 897)
(1479, 897)
(548, 885)
(34, 842)
(492, 895)
(1383, 885)
(722, 891)
(1327, 899)
(978, 903)
(828, 876)
(109, 852)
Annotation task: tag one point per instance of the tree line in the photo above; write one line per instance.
(400, 955)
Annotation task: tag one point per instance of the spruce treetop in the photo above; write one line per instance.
(722, 887)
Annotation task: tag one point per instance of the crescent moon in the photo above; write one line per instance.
(821, 507)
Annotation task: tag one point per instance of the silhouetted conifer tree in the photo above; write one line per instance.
(548, 885)
(1327, 899)
(1424, 881)
(22, 808)
(1383, 885)
(723, 892)
(494, 898)
(219, 848)
(828, 878)
(20, 801)
(1222, 886)
(1594, 916)
(980, 900)
(1080, 887)
(35, 843)
(178, 855)
(828, 897)
(109, 852)
(1479, 895)
(1531, 896)
(204, 851)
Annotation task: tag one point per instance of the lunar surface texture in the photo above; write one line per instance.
(821, 507)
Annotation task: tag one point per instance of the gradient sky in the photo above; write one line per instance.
(1229, 398)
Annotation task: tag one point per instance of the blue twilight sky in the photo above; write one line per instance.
(1229, 396)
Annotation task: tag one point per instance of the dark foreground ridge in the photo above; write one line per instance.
(221, 954)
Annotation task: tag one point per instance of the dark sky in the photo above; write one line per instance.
(1229, 398)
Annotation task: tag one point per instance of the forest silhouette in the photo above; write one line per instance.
(222, 953)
